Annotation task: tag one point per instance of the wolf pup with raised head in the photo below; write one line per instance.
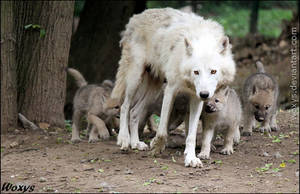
(222, 111)
(90, 99)
(260, 94)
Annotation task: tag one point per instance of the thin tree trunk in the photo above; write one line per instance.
(8, 68)
(254, 17)
(42, 58)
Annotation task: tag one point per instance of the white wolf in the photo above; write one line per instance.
(192, 54)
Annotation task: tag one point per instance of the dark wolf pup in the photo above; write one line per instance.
(259, 97)
(90, 99)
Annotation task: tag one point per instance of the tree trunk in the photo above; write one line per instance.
(8, 68)
(42, 57)
(95, 50)
(254, 17)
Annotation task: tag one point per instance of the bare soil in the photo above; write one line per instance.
(52, 164)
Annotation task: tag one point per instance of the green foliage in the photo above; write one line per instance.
(36, 27)
(68, 125)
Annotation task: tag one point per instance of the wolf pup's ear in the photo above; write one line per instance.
(188, 46)
(225, 44)
(254, 90)
(226, 92)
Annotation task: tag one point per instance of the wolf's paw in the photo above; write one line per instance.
(275, 128)
(75, 140)
(104, 135)
(246, 133)
(227, 150)
(123, 141)
(203, 155)
(139, 146)
(158, 145)
(192, 161)
(265, 129)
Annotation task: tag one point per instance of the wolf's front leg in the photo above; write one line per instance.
(190, 158)
(158, 143)
(249, 122)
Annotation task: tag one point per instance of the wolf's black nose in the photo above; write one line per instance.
(204, 94)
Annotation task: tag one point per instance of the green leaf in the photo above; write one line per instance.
(164, 167)
(36, 26)
(292, 161)
(100, 170)
(27, 26)
(42, 33)
(275, 169)
(173, 159)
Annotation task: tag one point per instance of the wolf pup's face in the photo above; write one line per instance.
(217, 102)
(261, 103)
(112, 108)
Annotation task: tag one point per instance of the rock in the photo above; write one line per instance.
(297, 173)
(104, 186)
(277, 155)
(283, 44)
(265, 154)
(44, 125)
(42, 180)
(128, 171)
(13, 144)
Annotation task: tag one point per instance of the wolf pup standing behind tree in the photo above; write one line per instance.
(222, 111)
(89, 99)
(259, 97)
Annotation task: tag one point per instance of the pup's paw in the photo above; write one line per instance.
(139, 145)
(93, 139)
(246, 133)
(75, 140)
(265, 129)
(275, 127)
(213, 148)
(203, 155)
(192, 161)
(123, 141)
(104, 136)
(158, 145)
(227, 150)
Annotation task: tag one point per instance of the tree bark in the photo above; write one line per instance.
(8, 68)
(95, 50)
(42, 58)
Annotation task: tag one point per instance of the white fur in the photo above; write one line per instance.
(175, 45)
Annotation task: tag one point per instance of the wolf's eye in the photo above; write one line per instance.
(116, 107)
(196, 72)
(213, 71)
(216, 100)
(256, 106)
(267, 107)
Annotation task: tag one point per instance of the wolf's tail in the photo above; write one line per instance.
(260, 67)
(80, 81)
(118, 91)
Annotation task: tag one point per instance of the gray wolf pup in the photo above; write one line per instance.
(223, 111)
(191, 53)
(259, 98)
(89, 99)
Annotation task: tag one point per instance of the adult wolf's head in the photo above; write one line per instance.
(208, 64)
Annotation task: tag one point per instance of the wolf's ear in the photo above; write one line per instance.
(188, 47)
(225, 44)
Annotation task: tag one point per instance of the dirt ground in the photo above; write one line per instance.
(50, 163)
